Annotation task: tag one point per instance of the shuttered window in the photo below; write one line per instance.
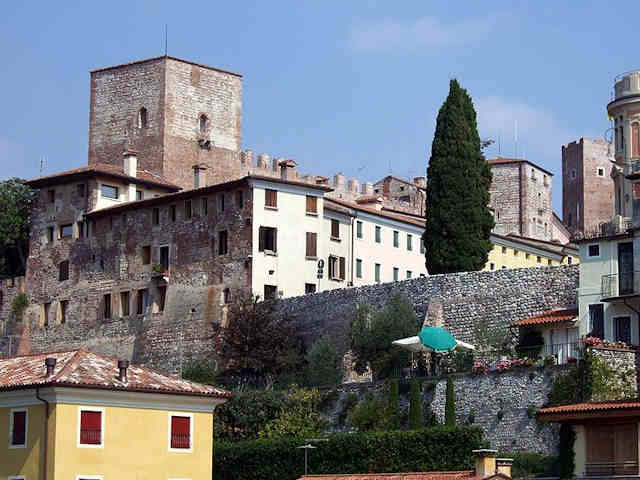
(180, 432)
(270, 198)
(312, 245)
(90, 427)
(268, 239)
(312, 204)
(342, 268)
(335, 229)
(19, 428)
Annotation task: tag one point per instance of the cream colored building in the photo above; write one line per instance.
(511, 251)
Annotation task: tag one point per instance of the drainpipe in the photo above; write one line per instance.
(45, 440)
(352, 251)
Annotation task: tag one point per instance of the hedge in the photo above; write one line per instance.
(436, 448)
(530, 464)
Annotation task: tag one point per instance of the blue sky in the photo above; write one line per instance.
(338, 86)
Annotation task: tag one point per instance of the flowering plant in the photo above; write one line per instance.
(480, 368)
(591, 341)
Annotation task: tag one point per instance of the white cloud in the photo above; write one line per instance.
(426, 33)
(540, 132)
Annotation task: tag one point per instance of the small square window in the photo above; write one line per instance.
(222, 243)
(504, 250)
(593, 250)
(335, 230)
(142, 301)
(600, 172)
(66, 231)
(145, 255)
(64, 308)
(109, 191)
(221, 202)
(50, 231)
(188, 213)
(358, 268)
(155, 215)
(573, 174)
(538, 259)
(492, 266)
(271, 198)
(309, 288)
(378, 272)
(378, 235)
(124, 304)
(549, 261)
(63, 271)
(268, 239)
(139, 195)
(396, 239)
(409, 274)
(107, 306)
(51, 196)
(396, 273)
(358, 229)
(205, 206)
(239, 199)
(312, 204)
(409, 242)
(172, 213)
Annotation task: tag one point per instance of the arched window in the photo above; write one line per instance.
(227, 296)
(204, 122)
(142, 118)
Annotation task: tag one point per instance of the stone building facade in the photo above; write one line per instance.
(521, 198)
(587, 186)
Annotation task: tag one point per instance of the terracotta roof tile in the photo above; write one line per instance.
(453, 475)
(550, 316)
(81, 368)
(419, 222)
(113, 170)
(629, 404)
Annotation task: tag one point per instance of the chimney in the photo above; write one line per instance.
(199, 176)
(276, 162)
(287, 169)
(353, 185)
(122, 368)
(320, 180)
(50, 363)
(263, 160)
(503, 466)
(339, 181)
(130, 163)
(247, 157)
(485, 462)
(367, 188)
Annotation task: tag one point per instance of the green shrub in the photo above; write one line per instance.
(300, 416)
(436, 448)
(369, 414)
(416, 420)
(531, 410)
(18, 304)
(324, 366)
(350, 401)
(450, 404)
(471, 418)
(566, 388)
(201, 372)
(529, 464)
(394, 405)
(246, 414)
(566, 454)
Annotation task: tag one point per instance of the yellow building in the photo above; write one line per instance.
(511, 251)
(78, 415)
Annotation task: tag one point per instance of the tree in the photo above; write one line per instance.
(415, 407)
(450, 405)
(256, 341)
(17, 200)
(372, 334)
(459, 222)
(324, 366)
(300, 417)
(394, 405)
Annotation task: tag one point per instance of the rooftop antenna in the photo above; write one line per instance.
(515, 136)
(166, 36)
(499, 146)
(43, 160)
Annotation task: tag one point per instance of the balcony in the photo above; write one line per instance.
(620, 286)
(612, 469)
(563, 353)
(632, 168)
(618, 225)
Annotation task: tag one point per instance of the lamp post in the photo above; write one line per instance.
(306, 448)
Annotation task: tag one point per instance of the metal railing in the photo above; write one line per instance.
(632, 166)
(618, 225)
(607, 469)
(562, 352)
(619, 284)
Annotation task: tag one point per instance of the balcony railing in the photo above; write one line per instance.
(608, 469)
(563, 352)
(632, 166)
(618, 225)
(620, 284)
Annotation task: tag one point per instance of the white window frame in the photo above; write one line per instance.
(599, 250)
(180, 450)
(117, 187)
(85, 445)
(16, 477)
(89, 477)
(598, 171)
(26, 428)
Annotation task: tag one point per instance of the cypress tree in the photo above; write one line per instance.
(459, 222)
(415, 407)
(394, 404)
(450, 405)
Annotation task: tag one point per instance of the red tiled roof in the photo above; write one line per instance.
(105, 169)
(629, 404)
(81, 368)
(455, 475)
(420, 222)
(368, 199)
(550, 316)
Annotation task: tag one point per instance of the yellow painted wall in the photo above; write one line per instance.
(135, 447)
(513, 258)
(23, 461)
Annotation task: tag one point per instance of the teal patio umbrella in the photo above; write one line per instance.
(437, 339)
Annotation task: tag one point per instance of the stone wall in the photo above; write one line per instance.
(505, 198)
(496, 298)
(623, 381)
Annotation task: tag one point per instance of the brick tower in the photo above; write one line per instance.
(176, 114)
(587, 187)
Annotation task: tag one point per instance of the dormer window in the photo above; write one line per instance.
(204, 123)
(142, 118)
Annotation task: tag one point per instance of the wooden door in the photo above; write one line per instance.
(612, 449)
(625, 268)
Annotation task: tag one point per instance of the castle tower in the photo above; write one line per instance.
(176, 114)
(624, 110)
(587, 187)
